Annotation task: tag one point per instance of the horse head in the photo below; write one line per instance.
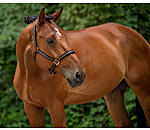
(51, 40)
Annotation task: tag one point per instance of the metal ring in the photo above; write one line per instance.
(56, 62)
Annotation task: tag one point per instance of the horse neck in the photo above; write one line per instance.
(24, 47)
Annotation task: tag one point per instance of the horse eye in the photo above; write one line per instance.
(50, 41)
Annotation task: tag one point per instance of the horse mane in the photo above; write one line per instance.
(30, 19)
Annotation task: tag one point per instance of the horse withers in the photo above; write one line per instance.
(102, 60)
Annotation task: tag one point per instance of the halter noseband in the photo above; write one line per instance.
(55, 61)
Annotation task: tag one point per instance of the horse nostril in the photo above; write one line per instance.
(78, 76)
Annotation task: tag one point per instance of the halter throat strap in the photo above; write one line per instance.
(55, 61)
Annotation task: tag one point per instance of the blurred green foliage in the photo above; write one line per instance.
(74, 16)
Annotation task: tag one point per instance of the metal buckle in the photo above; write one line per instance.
(36, 48)
(56, 62)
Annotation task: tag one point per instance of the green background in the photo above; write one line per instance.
(74, 16)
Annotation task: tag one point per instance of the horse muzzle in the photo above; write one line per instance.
(76, 79)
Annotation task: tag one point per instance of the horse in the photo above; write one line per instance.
(57, 67)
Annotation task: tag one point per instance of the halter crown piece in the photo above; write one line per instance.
(55, 61)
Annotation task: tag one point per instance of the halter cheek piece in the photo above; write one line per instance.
(55, 61)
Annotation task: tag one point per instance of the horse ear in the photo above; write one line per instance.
(57, 14)
(42, 16)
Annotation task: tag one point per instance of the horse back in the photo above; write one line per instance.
(129, 43)
(112, 51)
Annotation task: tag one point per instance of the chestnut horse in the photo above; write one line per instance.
(113, 57)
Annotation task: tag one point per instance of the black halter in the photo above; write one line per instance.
(55, 61)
